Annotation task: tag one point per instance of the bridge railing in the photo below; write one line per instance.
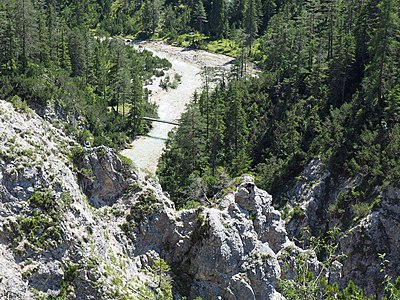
(160, 121)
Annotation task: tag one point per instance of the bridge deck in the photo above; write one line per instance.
(159, 120)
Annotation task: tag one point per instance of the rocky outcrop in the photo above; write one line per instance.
(227, 251)
(79, 224)
(53, 242)
(12, 284)
(375, 235)
(326, 202)
(103, 176)
(312, 194)
(33, 155)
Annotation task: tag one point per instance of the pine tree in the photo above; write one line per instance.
(343, 55)
(62, 50)
(269, 8)
(136, 102)
(236, 131)
(251, 20)
(312, 19)
(76, 50)
(383, 70)
(217, 129)
(193, 138)
(6, 38)
(43, 43)
(318, 48)
(151, 16)
(187, 151)
(26, 32)
(365, 19)
(120, 78)
(217, 18)
(171, 24)
(53, 33)
(100, 72)
(3, 38)
(240, 66)
(235, 15)
(204, 102)
(88, 54)
(199, 16)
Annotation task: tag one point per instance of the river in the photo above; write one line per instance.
(145, 151)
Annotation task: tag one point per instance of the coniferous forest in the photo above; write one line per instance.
(327, 87)
(52, 55)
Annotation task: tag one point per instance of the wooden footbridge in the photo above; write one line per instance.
(160, 121)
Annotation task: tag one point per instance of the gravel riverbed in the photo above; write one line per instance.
(146, 150)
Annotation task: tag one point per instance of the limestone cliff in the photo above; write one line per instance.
(79, 223)
(321, 202)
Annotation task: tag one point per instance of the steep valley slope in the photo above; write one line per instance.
(81, 223)
(78, 223)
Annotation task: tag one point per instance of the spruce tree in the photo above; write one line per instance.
(151, 16)
(251, 20)
(199, 16)
(236, 131)
(136, 102)
(217, 18)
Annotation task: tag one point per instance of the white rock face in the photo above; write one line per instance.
(67, 247)
(33, 155)
(362, 243)
(93, 227)
(107, 179)
(100, 227)
(12, 285)
(376, 234)
(226, 252)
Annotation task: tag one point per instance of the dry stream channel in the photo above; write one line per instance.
(145, 151)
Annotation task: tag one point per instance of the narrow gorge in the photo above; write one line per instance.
(199, 150)
(88, 226)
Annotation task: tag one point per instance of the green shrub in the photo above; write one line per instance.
(297, 212)
(160, 270)
(77, 155)
(196, 40)
(377, 203)
(42, 199)
(40, 229)
(146, 204)
(361, 210)
(70, 271)
(191, 204)
(125, 160)
(19, 105)
(223, 46)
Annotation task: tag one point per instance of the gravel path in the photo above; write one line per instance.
(146, 150)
